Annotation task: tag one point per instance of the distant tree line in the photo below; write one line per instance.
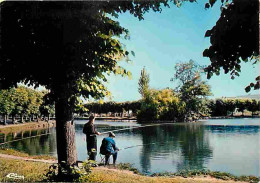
(24, 103)
(166, 105)
(113, 107)
(225, 107)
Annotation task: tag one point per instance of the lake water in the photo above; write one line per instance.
(227, 145)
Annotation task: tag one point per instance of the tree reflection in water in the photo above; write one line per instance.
(189, 141)
(45, 144)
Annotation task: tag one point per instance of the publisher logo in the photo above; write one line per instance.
(15, 176)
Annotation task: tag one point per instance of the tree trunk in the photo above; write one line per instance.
(13, 119)
(22, 118)
(5, 119)
(14, 135)
(65, 128)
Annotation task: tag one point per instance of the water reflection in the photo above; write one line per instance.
(211, 145)
(25, 141)
(245, 129)
(187, 142)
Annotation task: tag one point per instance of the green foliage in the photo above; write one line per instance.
(241, 105)
(186, 71)
(161, 105)
(223, 107)
(192, 90)
(6, 104)
(179, 106)
(25, 102)
(62, 58)
(114, 107)
(253, 106)
(233, 39)
(144, 83)
(66, 173)
(47, 107)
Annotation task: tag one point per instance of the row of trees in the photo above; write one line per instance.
(165, 104)
(114, 107)
(25, 103)
(224, 107)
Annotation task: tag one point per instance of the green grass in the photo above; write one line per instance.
(192, 173)
(22, 154)
(32, 171)
(25, 126)
(36, 171)
(128, 166)
(215, 174)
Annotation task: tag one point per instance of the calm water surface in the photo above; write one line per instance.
(227, 145)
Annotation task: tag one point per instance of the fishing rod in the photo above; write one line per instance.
(136, 146)
(128, 147)
(132, 128)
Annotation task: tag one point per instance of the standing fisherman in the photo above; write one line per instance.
(90, 131)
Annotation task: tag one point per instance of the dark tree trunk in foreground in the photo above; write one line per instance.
(65, 128)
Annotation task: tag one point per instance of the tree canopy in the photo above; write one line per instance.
(68, 47)
(47, 43)
(234, 38)
(192, 88)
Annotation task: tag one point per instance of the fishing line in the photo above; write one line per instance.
(133, 128)
(137, 146)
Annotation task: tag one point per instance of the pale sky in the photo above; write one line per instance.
(163, 39)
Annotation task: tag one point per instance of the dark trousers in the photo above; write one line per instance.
(107, 156)
(92, 147)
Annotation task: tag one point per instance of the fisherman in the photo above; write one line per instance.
(91, 139)
(108, 148)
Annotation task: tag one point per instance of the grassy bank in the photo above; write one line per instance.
(106, 175)
(25, 155)
(26, 126)
(35, 171)
(32, 171)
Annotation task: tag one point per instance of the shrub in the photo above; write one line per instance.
(65, 173)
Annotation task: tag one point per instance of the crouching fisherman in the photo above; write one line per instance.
(90, 131)
(108, 148)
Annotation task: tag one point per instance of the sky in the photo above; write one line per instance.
(163, 39)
